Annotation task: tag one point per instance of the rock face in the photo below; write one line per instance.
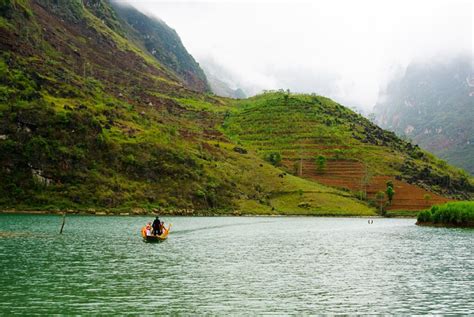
(432, 104)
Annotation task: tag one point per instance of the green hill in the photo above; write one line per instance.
(352, 152)
(90, 119)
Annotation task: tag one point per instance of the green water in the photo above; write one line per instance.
(234, 266)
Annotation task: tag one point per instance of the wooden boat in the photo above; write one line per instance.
(154, 238)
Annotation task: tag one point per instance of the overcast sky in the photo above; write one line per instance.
(343, 49)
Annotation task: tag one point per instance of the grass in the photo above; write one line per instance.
(402, 213)
(319, 203)
(265, 189)
(143, 161)
(129, 135)
(302, 127)
(459, 214)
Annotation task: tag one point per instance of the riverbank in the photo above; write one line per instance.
(195, 214)
(456, 214)
(443, 225)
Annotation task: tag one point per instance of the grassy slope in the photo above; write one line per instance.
(302, 127)
(89, 120)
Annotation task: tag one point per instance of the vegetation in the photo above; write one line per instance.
(304, 127)
(161, 42)
(320, 163)
(90, 120)
(460, 214)
(390, 191)
(274, 158)
(79, 132)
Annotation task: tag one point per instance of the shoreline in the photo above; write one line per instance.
(443, 225)
(171, 214)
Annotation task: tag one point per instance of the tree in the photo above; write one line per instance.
(274, 158)
(286, 95)
(380, 196)
(390, 191)
(320, 163)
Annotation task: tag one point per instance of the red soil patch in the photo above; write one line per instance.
(349, 175)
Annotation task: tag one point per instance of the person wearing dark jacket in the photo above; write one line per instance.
(157, 226)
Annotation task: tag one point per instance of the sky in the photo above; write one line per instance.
(343, 49)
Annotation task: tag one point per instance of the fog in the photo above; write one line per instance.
(346, 50)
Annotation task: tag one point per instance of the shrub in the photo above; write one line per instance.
(424, 216)
(390, 192)
(320, 163)
(274, 158)
(456, 213)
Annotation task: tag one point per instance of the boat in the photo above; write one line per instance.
(153, 238)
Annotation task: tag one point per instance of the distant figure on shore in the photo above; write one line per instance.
(157, 226)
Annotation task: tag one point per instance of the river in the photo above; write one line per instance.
(234, 265)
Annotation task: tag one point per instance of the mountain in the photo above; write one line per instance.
(157, 38)
(432, 104)
(91, 120)
(223, 89)
(221, 80)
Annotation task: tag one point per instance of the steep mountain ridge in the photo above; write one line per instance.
(432, 104)
(161, 42)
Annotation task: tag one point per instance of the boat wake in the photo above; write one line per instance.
(187, 231)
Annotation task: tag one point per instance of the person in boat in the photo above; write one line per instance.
(148, 229)
(157, 227)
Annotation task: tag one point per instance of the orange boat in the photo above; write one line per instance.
(153, 238)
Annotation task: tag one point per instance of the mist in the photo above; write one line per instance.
(346, 50)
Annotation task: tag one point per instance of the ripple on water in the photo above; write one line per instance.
(234, 265)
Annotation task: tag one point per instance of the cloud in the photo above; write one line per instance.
(344, 49)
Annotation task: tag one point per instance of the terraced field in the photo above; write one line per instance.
(357, 155)
(352, 175)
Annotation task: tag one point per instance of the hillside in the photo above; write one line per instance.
(432, 104)
(91, 121)
(162, 42)
(304, 130)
